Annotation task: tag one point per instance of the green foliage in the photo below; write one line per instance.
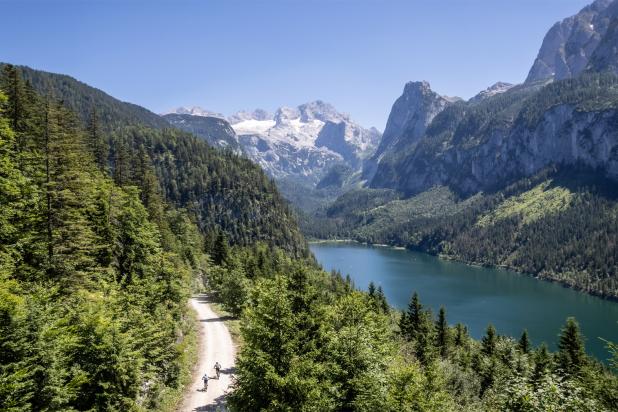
(571, 354)
(556, 225)
(93, 281)
(222, 191)
(524, 342)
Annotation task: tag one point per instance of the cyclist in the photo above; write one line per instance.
(205, 379)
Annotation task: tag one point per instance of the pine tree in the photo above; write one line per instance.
(98, 142)
(221, 251)
(381, 299)
(461, 334)
(571, 351)
(524, 342)
(425, 339)
(442, 333)
(488, 342)
(542, 364)
(414, 316)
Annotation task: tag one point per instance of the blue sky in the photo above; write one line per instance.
(230, 55)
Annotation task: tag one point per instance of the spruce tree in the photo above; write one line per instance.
(220, 251)
(461, 334)
(98, 141)
(571, 351)
(542, 364)
(404, 324)
(442, 333)
(425, 338)
(414, 316)
(371, 290)
(381, 299)
(488, 342)
(524, 342)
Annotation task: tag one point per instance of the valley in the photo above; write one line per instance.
(464, 259)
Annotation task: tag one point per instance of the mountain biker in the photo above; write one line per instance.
(205, 379)
(217, 369)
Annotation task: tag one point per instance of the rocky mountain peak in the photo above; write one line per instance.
(411, 113)
(494, 89)
(257, 114)
(569, 45)
(284, 114)
(196, 111)
(416, 88)
(319, 110)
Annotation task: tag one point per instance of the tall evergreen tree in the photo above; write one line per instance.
(381, 299)
(442, 333)
(98, 141)
(542, 364)
(414, 316)
(221, 249)
(489, 341)
(524, 342)
(425, 338)
(461, 334)
(571, 351)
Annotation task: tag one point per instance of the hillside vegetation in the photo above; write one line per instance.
(558, 225)
(221, 190)
(313, 342)
(94, 272)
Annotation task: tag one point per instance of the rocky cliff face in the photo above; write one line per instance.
(605, 56)
(563, 136)
(410, 115)
(508, 136)
(570, 44)
(566, 113)
(216, 131)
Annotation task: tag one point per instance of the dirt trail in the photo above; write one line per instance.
(215, 346)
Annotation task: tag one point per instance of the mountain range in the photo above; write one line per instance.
(299, 143)
(522, 176)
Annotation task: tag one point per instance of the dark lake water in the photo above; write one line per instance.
(475, 296)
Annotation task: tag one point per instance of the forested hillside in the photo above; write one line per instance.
(94, 271)
(81, 98)
(224, 191)
(559, 225)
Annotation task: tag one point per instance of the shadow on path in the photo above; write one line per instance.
(219, 405)
(204, 298)
(219, 319)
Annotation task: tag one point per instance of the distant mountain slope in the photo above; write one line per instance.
(216, 131)
(560, 225)
(81, 98)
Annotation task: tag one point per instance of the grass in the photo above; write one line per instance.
(542, 200)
